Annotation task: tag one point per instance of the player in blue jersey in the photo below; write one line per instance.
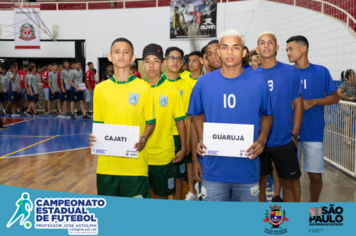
(318, 90)
(286, 90)
(231, 95)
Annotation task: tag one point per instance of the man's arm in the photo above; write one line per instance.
(298, 117)
(30, 87)
(199, 123)
(87, 79)
(333, 98)
(198, 172)
(50, 85)
(143, 138)
(259, 145)
(182, 134)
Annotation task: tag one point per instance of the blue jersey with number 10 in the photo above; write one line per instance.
(241, 100)
(285, 86)
(317, 82)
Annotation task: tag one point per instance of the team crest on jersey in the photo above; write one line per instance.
(181, 92)
(182, 168)
(171, 183)
(133, 98)
(163, 100)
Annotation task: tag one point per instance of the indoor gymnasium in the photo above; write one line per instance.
(71, 69)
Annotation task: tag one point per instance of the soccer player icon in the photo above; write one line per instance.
(24, 208)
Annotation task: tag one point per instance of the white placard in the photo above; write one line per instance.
(27, 31)
(82, 86)
(115, 140)
(230, 140)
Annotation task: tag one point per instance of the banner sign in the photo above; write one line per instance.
(38, 212)
(196, 15)
(27, 33)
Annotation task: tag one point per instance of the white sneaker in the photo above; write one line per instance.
(191, 197)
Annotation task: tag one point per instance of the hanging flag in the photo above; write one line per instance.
(27, 33)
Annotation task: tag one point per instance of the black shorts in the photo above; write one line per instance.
(285, 159)
(54, 96)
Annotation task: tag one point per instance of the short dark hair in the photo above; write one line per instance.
(24, 66)
(299, 39)
(77, 61)
(171, 49)
(195, 53)
(253, 53)
(94, 71)
(212, 42)
(122, 40)
(13, 65)
(49, 64)
(90, 63)
(31, 67)
(248, 51)
(64, 61)
(54, 64)
(203, 50)
(109, 65)
(133, 65)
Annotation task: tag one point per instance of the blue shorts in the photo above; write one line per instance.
(88, 96)
(33, 98)
(24, 95)
(76, 96)
(313, 156)
(12, 96)
(65, 96)
(54, 96)
(46, 93)
(220, 191)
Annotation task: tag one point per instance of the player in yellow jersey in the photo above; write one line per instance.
(168, 104)
(124, 100)
(174, 62)
(195, 65)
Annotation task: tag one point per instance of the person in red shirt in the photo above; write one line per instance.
(90, 84)
(23, 84)
(197, 15)
(45, 85)
(134, 70)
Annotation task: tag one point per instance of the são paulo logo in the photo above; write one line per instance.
(326, 216)
(27, 32)
(58, 213)
(275, 218)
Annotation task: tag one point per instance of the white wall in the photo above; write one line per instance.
(48, 49)
(331, 44)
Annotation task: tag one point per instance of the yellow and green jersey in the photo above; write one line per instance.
(168, 105)
(184, 73)
(185, 89)
(192, 80)
(124, 103)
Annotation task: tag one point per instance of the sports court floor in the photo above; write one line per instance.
(52, 154)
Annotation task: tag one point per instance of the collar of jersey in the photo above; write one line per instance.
(190, 75)
(130, 79)
(178, 78)
(160, 81)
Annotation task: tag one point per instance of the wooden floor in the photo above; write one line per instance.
(69, 171)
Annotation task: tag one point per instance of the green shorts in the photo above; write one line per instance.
(123, 186)
(162, 179)
(180, 167)
(189, 158)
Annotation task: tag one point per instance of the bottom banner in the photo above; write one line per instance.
(38, 212)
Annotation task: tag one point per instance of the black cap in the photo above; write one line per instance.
(153, 49)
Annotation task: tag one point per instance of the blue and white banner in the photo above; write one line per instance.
(39, 212)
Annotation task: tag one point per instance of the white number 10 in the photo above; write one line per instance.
(230, 103)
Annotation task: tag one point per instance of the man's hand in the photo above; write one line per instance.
(352, 98)
(295, 141)
(52, 91)
(179, 156)
(63, 90)
(197, 171)
(92, 140)
(188, 150)
(256, 149)
(141, 143)
(31, 93)
(201, 148)
(91, 91)
(77, 89)
(307, 104)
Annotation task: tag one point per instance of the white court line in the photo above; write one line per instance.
(46, 153)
